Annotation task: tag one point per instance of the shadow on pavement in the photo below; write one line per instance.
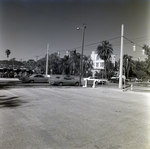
(4, 85)
(10, 102)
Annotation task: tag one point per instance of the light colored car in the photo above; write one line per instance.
(115, 79)
(97, 80)
(38, 78)
(64, 80)
(133, 79)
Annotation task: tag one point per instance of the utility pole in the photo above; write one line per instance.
(47, 59)
(121, 57)
(81, 66)
(36, 58)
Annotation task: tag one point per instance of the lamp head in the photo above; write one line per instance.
(78, 28)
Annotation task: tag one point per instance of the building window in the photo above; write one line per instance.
(97, 57)
(97, 64)
(102, 64)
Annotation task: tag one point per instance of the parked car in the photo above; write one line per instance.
(64, 80)
(35, 78)
(133, 79)
(97, 80)
(115, 79)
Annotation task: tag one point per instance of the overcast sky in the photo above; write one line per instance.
(27, 26)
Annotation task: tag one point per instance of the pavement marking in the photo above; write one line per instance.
(11, 93)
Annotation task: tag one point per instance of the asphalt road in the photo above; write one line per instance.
(74, 118)
(16, 83)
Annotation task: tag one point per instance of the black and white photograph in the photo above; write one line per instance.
(74, 74)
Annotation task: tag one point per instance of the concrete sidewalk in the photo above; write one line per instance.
(137, 87)
(9, 79)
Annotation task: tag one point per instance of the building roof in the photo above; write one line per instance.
(14, 64)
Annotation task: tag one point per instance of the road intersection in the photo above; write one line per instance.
(74, 118)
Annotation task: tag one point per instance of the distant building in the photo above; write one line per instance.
(10, 68)
(98, 64)
(11, 64)
(70, 52)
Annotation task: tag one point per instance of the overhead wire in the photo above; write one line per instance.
(95, 43)
(132, 41)
(71, 20)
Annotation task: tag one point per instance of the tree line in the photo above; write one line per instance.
(70, 64)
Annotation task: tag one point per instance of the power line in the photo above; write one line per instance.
(139, 38)
(132, 41)
(91, 44)
(147, 37)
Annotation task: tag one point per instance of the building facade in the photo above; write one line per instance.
(98, 63)
(11, 69)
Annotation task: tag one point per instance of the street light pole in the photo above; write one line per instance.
(47, 60)
(81, 65)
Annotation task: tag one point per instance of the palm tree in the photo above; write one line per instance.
(146, 49)
(140, 69)
(63, 65)
(127, 64)
(104, 51)
(110, 69)
(41, 65)
(87, 65)
(74, 63)
(8, 52)
(54, 61)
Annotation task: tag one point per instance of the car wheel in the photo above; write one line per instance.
(31, 81)
(60, 84)
(77, 84)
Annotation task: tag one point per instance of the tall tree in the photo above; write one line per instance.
(41, 65)
(146, 49)
(54, 61)
(128, 63)
(31, 65)
(110, 69)
(104, 51)
(87, 64)
(140, 69)
(64, 65)
(8, 52)
(74, 63)
(13, 61)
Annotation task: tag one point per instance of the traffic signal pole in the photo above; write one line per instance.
(47, 60)
(121, 57)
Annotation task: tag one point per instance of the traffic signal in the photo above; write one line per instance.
(134, 48)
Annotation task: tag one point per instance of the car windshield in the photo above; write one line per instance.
(57, 77)
(67, 78)
(38, 76)
(93, 77)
